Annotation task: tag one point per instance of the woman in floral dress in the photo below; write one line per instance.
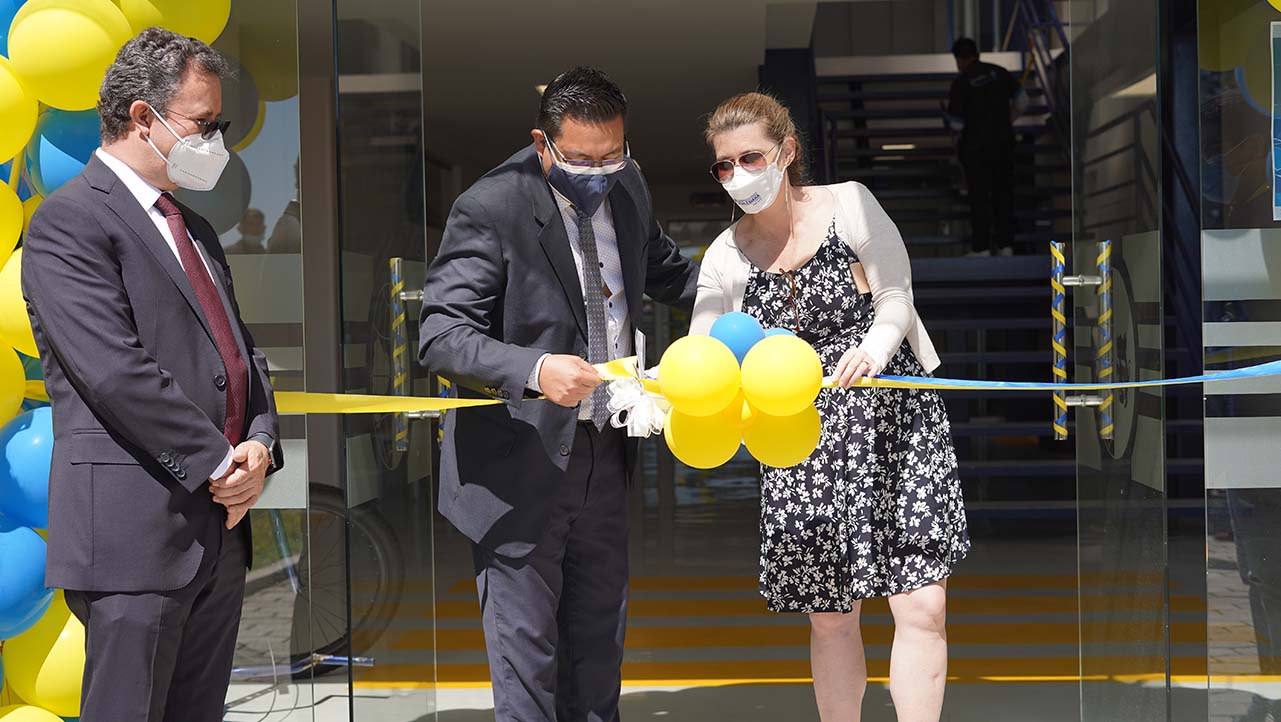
(876, 511)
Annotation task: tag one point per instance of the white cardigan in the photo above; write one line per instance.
(864, 225)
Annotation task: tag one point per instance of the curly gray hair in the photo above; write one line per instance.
(150, 68)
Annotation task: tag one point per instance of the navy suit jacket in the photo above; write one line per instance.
(137, 388)
(502, 291)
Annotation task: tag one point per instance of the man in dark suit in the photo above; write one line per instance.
(164, 419)
(540, 275)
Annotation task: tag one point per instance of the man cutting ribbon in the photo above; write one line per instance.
(539, 276)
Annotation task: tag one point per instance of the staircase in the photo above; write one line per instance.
(990, 316)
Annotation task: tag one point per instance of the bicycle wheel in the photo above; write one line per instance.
(376, 580)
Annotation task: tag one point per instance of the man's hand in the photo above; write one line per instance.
(240, 488)
(567, 380)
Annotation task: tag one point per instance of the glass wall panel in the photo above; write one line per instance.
(1241, 289)
(1121, 488)
(383, 218)
(254, 209)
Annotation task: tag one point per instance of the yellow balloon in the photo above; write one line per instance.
(1257, 67)
(264, 37)
(7, 697)
(254, 130)
(61, 48)
(27, 713)
(699, 375)
(11, 221)
(201, 20)
(739, 413)
(782, 375)
(45, 664)
(13, 385)
(1225, 30)
(783, 441)
(18, 111)
(703, 442)
(29, 207)
(15, 326)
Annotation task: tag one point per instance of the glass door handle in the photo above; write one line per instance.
(1059, 284)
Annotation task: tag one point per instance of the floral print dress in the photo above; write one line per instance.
(876, 510)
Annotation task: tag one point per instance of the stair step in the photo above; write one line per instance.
(975, 324)
(895, 78)
(932, 171)
(1011, 268)
(1013, 468)
(940, 152)
(952, 296)
(963, 213)
(912, 113)
(969, 358)
(1042, 428)
(930, 131)
(937, 94)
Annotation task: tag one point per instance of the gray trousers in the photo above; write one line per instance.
(164, 656)
(554, 620)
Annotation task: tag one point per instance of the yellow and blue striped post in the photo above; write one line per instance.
(1058, 302)
(399, 352)
(1103, 357)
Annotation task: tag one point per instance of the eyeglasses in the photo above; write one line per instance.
(208, 128)
(753, 161)
(796, 303)
(627, 153)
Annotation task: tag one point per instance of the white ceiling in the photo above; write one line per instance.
(675, 60)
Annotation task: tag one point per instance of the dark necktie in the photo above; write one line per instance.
(237, 381)
(597, 323)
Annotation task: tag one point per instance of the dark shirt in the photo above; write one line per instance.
(980, 97)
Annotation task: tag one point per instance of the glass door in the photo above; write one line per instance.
(382, 243)
(1116, 256)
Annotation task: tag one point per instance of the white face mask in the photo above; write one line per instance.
(194, 163)
(755, 193)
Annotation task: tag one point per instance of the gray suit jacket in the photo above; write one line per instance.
(137, 388)
(503, 291)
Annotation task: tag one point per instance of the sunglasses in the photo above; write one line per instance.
(753, 161)
(796, 304)
(208, 128)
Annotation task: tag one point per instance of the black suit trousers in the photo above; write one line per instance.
(164, 656)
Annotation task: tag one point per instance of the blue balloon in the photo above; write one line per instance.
(63, 142)
(26, 452)
(739, 331)
(8, 8)
(779, 332)
(23, 595)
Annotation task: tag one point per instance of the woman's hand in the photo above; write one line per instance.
(854, 365)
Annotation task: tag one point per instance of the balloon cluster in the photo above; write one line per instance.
(53, 56)
(741, 385)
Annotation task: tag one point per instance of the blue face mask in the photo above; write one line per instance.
(583, 185)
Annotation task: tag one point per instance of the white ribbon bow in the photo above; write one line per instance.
(633, 408)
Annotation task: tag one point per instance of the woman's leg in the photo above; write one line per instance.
(918, 662)
(838, 664)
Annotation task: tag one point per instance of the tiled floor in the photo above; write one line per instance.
(702, 646)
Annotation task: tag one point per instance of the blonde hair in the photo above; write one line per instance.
(748, 108)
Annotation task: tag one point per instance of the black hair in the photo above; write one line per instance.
(583, 94)
(965, 48)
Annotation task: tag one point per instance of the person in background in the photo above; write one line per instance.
(540, 275)
(163, 414)
(876, 511)
(252, 228)
(983, 103)
(286, 236)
